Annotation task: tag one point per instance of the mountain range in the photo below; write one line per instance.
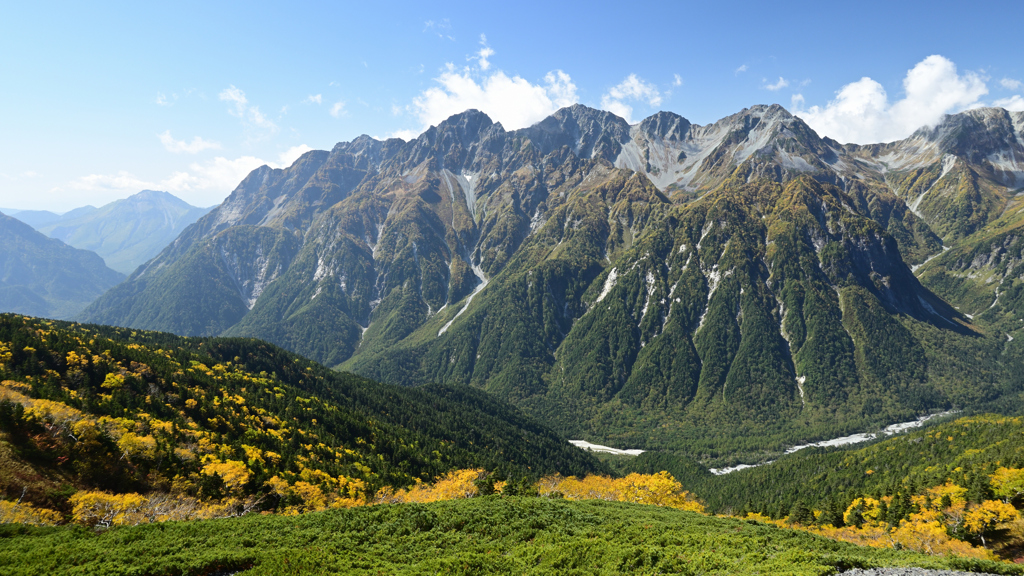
(720, 289)
(125, 233)
(45, 277)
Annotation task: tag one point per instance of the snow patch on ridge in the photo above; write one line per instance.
(468, 181)
(609, 283)
(929, 259)
(483, 284)
(1012, 167)
(948, 162)
(650, 292)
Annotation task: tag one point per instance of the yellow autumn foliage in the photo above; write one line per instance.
(451, 486)
(96, 508)
(233, 472)
(75, 360)
(923, 533)
(112, 381)
(341, 492)
(25, 513)
(132, 445)
(5, 355)
(868, 508)
(659, 489)
(102, 509)
(986, 515)
(1008, 483)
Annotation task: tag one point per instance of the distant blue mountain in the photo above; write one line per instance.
(126, 233)
(42, 276)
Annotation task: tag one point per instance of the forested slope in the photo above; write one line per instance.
(86, 408)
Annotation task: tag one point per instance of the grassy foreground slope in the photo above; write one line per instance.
(490, 535)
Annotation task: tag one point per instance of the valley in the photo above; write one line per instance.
(747, 286)
(392, 325)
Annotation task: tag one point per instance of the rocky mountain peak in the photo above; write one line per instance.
(666, 126)
(588, 132)
(974, 134)
(147, 199)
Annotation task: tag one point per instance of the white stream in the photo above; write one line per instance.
(598, 448)
(843, 440)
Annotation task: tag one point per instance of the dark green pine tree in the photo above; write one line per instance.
(801, 514)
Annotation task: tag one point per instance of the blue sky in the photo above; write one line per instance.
(100, 102)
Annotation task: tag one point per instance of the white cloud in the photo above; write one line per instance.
(678, 81)
(513, 101)
(123, 180)
(1014, 103)
(161, 99)
(743, 68)
(484, 53)
(782, 83)
(289, 156)
(632, 88)
(250, 115)
(202, 184)
(178, 146)
(406, 135)
(862, 113)
(1011, 84)
(338, 110)
(311, 99)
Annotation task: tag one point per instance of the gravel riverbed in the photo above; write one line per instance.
(908, 572)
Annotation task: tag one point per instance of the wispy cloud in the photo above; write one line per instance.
(443, 28)
(250, 115)
(632, 88)
(27, 175)
(782, 83)
(178, 146)
(743, 68)
(338, 110)
(314, 99)
(1011, 84)
(161, 99)
(484, 53)
(678, 80)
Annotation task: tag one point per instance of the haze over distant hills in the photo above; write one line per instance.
(45, 277)
(719, 287)
(126, 233)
